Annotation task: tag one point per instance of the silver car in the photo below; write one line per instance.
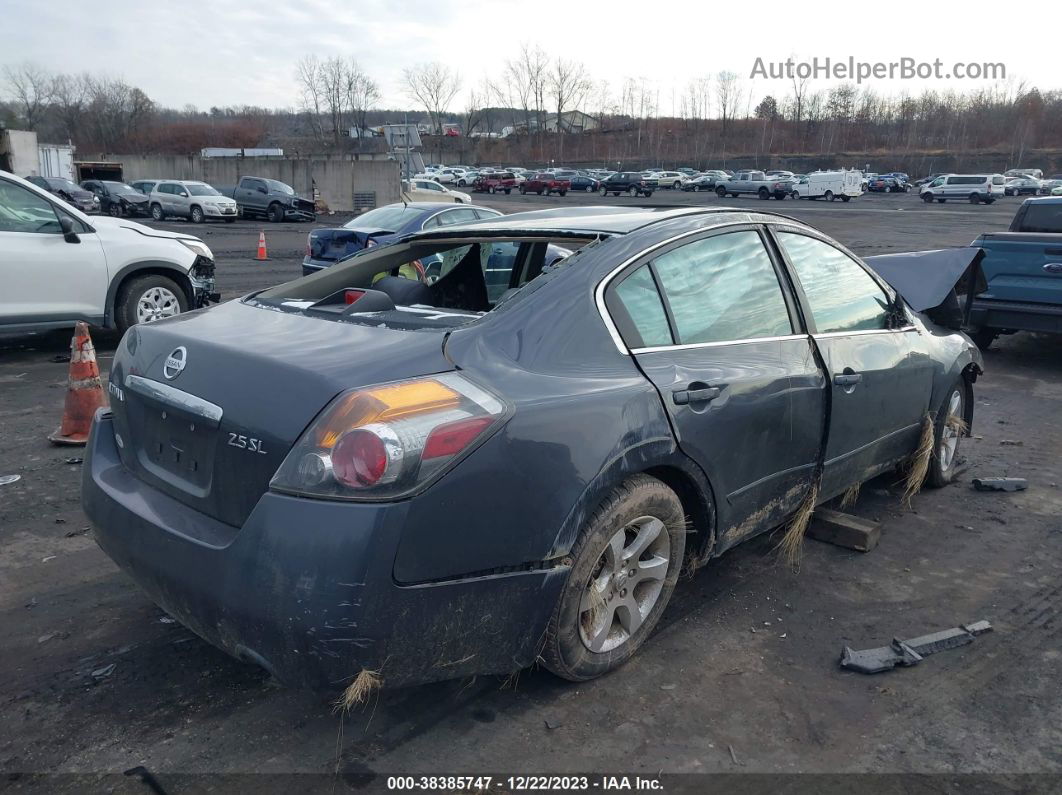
(188, 199)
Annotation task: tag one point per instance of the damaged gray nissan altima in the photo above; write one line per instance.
(505, 460)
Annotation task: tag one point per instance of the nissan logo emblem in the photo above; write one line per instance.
(175, 362)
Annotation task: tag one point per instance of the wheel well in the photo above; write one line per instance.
(181, 279)
(697, 506)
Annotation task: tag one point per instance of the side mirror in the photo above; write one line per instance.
(69, 235)
(183, 194)
(262, 189)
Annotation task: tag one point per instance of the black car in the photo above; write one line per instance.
(69, 192)
(356, 471)
(117, 198)
(630, 182)
(584, 183)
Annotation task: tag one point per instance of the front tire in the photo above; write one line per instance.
(145, 299)
(275, 213)
(114, 210)
(197, 215)
(626, 562)
(949, 428)
(975, 199)
(829, 195)
(156, 212)
(720, 192)
(927, 198)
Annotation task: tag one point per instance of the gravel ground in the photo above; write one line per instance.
(740, 677)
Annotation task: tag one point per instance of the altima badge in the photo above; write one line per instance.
(175, 363)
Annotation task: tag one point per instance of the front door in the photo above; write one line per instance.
(710, 324)
(46, 278)
(881, 377)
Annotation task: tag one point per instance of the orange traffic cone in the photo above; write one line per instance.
(84, 392)
(262, 255)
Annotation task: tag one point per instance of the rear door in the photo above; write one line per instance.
(881, 376)
(710, 323)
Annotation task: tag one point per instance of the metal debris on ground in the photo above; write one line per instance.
(104, 672)
(910, 652)
(1011, 443)
(74, 460)
(5, 479)
(1000, 484)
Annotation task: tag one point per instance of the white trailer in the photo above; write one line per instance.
(829, 185)
(56, 160)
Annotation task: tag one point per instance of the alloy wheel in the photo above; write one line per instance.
(949, 437)
(624, 585)
(155, 304)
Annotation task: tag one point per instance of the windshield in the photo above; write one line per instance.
(120, 187)
(65, 184)
(199, 189)
(391, 218)
(280, 187)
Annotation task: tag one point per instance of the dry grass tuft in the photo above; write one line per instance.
(957, 424)
(851, 494)
(792, 543)
(918, 465)
(358, 691)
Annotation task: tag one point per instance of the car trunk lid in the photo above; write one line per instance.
(334, 244)
(208, 404)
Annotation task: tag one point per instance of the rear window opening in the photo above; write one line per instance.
(424, 283)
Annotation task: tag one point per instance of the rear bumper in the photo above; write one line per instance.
(305, 588)
(1016, 316)
(310, 265)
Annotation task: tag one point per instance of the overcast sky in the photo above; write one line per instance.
(212, 53)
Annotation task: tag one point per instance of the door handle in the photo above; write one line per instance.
(847, 379)
(1053, 267)
(683, 397)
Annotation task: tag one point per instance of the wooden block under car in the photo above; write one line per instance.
(844, 530)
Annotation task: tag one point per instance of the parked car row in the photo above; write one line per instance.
(197, 201)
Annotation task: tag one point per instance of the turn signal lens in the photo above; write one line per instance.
(390, 440)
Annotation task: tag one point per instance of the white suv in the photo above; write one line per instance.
(189, 199)
(58, 265)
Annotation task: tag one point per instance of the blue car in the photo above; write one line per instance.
(325, 247)
(356, 471)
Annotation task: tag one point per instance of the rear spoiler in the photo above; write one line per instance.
(932, 281)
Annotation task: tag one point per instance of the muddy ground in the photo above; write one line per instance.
(740, 677)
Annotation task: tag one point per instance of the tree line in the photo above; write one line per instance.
(709, 119)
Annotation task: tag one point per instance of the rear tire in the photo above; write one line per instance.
(763, 193)
(523, 191)
(975, 199)
(632, 192)
(720, 192)
(829, 195)
(589, 188)
(983, 337)
(147, 288)
(639, 527)
(941, 201)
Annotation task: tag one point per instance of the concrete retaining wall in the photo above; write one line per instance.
(336, 178)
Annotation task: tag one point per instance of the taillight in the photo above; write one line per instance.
(308, 246)
(387, 441)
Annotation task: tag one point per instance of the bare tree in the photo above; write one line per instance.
(434, 85)
(362, 93)
(70, 95)
(728, 99)
(479, 99)
(311, 101)
(31, 87)
(567, 83)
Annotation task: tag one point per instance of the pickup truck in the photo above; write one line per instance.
(545, 182)
(495, 182)
(269, 198)
(1023, 268)
(754, 182)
